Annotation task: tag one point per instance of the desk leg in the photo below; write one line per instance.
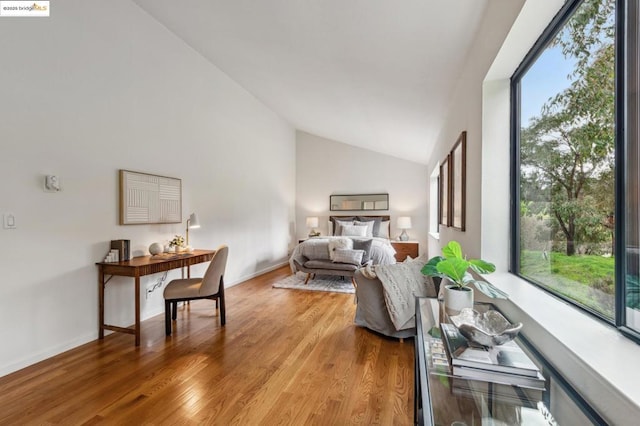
(137, 298)
(101, 303)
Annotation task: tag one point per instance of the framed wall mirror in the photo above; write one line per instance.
(358, 202)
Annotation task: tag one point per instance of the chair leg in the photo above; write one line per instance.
(308, 276)
(174, 311)
(223, 310)
(167, 317)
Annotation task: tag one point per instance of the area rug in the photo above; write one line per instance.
(330, 283)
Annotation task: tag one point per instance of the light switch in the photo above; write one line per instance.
(9, 221)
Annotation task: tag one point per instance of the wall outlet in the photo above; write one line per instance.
(9, 221)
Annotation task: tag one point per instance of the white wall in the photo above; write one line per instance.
(465, 113)
(326, 167)
(97, 87)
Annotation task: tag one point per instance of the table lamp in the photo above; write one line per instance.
(192, 223)
(312, 222)
(404, 223)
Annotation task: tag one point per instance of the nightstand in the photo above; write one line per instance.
(404, 249)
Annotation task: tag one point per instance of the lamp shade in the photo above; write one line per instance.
(404, 222)
(193, 221)
(312, 222)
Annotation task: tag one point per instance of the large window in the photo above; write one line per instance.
(565, 166)
(566, 137)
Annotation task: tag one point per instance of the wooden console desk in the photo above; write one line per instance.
(136, 268)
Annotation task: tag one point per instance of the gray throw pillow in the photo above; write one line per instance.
(364, 245)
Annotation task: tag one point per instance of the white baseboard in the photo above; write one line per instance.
(48, 353)
(256, 274)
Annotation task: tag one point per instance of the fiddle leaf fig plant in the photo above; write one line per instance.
(454, 266)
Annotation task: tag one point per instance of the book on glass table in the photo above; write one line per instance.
(508, 358)
(499, 378)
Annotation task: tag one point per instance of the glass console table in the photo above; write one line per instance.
(444, 399)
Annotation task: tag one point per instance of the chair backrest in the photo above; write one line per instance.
(215, 272)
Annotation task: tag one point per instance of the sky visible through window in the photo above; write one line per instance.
(547, 77)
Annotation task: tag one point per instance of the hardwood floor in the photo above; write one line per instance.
(284, 357)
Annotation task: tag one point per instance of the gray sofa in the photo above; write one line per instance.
(324, 267)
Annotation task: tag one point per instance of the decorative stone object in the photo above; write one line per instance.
(488, 329)
(155, 248)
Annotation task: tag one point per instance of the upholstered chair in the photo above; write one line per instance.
(211, 286)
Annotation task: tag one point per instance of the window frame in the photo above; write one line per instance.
(627, 24)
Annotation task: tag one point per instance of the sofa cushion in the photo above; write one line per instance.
(327, 264)
(353, 257)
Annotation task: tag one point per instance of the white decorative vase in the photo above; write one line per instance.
(456, 298)
(155, 248)
(180, 249)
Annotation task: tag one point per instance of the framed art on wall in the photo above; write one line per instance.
(443, 192)
(458, 158)
(147, 198)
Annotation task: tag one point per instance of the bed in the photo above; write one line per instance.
(337, 253)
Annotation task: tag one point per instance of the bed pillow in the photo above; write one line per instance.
(376, 222)
(339, 223)
(339, 243)
(354, 231)
(364, 245)
(369, 224)
(383, 231)
(352, 257)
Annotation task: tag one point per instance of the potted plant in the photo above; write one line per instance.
(453, 268)
(177, 243)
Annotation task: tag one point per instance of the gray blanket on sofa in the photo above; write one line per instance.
(401, 284)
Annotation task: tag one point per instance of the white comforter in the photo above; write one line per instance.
(382, 252)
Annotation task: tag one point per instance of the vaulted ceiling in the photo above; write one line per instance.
(377, 74)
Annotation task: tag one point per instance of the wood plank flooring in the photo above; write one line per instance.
(285, 357)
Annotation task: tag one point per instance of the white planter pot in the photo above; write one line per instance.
(456, 299)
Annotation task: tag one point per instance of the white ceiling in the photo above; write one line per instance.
(376, 74)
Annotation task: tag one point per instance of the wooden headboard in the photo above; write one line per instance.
(382, 217)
